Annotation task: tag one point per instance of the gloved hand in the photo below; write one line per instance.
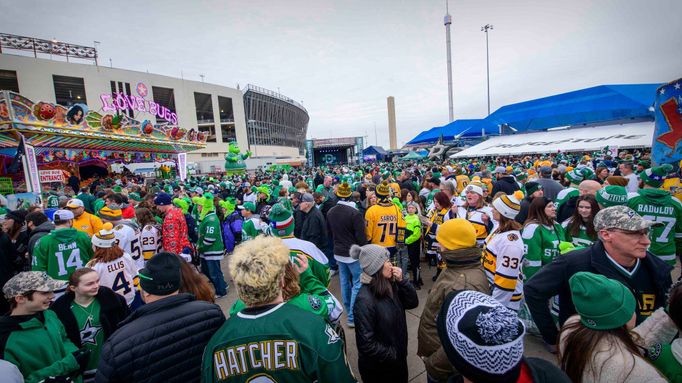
(82, 356)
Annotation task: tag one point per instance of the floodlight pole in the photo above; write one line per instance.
(485, 29)
(447, 21)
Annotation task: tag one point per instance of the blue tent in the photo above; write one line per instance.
(588, 106)
(377, 151)
(467, 129)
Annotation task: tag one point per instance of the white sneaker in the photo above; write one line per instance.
(333, 272)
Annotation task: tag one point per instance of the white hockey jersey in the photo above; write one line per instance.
(119, 275)
(502, 261)
(128, 237)
(150, 241)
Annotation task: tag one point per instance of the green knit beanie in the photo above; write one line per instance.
(602, 303)
(281, 220)
(612, 195)
(655, 176)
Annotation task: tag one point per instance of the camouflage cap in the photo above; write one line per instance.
(621, 217)
(31, 281)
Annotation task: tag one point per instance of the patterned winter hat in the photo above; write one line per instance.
(105, 238)
(612, 195)
(281, 220)
(575, 176)
(108, 214)
(344, 190)
(509, 205)
(383, 189)
(655, 176)
(482, 339)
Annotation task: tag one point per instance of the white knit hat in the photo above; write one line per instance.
(105, 238)
(509, 205)
(474, 188)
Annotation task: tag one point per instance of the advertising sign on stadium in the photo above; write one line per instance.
(47, 176)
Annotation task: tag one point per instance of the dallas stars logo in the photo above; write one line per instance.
(89, 333)
(333, 337)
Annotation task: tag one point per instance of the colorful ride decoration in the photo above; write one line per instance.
(77, 133)
(234, 160)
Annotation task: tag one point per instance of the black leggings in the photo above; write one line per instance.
(414, 252)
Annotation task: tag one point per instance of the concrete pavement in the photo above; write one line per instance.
(534, 345)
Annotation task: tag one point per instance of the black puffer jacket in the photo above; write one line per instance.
(160, 342)
(381, 332)
(506, 184)
(113, 310)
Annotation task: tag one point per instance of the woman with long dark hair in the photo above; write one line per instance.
(542, 235)
(601, 343)
(14, 226)
(579, 228)
(379, 316)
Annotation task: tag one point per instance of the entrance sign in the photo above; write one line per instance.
(48, 176)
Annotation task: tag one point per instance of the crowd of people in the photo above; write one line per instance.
(118, 281)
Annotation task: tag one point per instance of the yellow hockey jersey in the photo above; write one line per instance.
(385, 225)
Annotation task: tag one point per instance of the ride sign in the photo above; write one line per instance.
(121, 102)
(48, 176)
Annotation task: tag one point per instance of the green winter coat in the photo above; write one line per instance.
(210, 244)
(38, 346)
(542, 246)
(414, 226)
(659, 206)
(61, 252)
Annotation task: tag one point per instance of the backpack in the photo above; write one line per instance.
(232, 231)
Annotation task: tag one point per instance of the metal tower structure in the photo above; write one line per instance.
(447, 22)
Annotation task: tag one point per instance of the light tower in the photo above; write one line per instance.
(447, 22)
(485, 29)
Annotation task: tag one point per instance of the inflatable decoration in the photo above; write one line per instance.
(234, 161)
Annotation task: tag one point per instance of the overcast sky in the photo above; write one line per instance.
(343, 58)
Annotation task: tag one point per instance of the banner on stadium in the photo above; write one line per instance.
(634, 135)
(666, 146)
(182, 166)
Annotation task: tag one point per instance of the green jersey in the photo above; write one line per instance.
(91, 333)
(541, 245)
(580, 239)
(52, 202)
(210, 245)
(249, 230)
(667, 359)
(61, 252)
(659, 206)
(279, 343)
(565, 195)
(307, 302)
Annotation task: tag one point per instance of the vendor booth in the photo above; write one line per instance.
(634, 135)
(44, 143)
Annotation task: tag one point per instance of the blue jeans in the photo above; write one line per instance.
(211, 268)
(349, 278)
(329, 252)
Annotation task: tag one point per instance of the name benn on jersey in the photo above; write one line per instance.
(67, 246)
(665, 210)
(116, 266)
(271, 355)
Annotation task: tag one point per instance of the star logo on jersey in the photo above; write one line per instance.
(89, 332)
(332, 336)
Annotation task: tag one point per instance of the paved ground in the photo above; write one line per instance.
(534, 345)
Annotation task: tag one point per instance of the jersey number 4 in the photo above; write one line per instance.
(121, 283)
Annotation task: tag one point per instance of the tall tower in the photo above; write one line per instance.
(447, 22)
(392, 137)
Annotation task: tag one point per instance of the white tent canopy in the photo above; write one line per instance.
(638, 134)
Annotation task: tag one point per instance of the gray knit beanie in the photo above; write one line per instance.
(371, 257)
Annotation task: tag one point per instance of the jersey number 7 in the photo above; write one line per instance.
(390, 226)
